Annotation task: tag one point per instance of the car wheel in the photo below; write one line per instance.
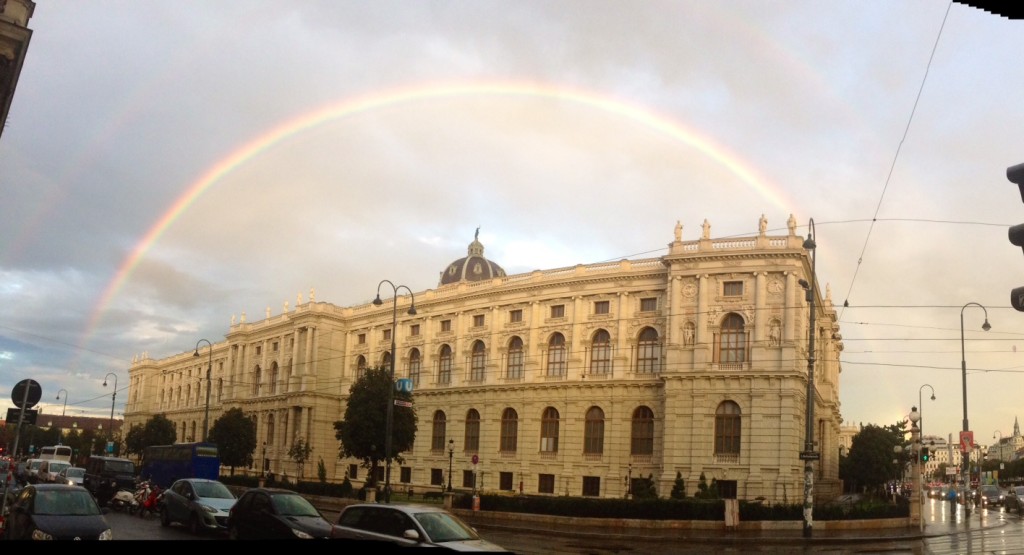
(165, 519)
(193, 524)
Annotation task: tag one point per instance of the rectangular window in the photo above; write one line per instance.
(649, 304)
(446, 325)
(259, 350)
(558, 311)
(362, 339)
(436, 477)
(414, 330)
(601, 307)
(379, 474)
(515, 316)
(505, 481)
(591, 486)
(353, 471)
(732, 288)
(546, 483)
(387, 335)
(478, 320)
(406, 475)
(275, 346)
(727, 489)
(468, 479)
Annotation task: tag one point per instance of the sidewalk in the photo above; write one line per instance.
(939, 521)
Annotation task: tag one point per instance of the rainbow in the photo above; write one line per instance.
(418, 93)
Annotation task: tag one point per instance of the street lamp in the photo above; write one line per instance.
(65, 410)
(113, 396)
(919, 404)
(209, 368)
(963, 369)
(915, 438)
(808, 453)
(451, 455)
(391, 370)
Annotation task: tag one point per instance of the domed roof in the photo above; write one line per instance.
(473, 267)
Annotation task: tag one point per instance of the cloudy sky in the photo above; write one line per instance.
(167, 165)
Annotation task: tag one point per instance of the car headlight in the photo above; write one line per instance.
(107, 534)
(38, 534)
(208, 509)
(301, 535)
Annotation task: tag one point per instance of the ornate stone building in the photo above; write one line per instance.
(14, 38)
(572, 381)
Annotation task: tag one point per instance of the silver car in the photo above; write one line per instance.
(198, 503)
(409, 525)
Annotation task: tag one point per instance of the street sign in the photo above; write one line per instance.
(812, 456)
(30, 416)
(403, 385)
(18, 394)
(401, 403)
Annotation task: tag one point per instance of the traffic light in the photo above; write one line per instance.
(925, 455)
(1016, 175)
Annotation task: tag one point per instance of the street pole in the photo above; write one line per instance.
(915, 453)
(451, 456)
(808, 454)
(113, 396)
(965, 453)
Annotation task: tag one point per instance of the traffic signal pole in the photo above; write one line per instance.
(1016, 176)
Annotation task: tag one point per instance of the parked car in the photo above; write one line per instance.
(71, 475)
(199, 503)
(32, 470)
(49, 471)
(273, 513)
(409, 525)
(991, 495)
(1014, 499)
(104, 476)
(56, 512)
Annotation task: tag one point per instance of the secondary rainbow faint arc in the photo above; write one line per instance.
(376, 100)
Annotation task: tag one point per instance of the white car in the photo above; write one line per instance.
(409, 525)
(50, 472)
(71, 475)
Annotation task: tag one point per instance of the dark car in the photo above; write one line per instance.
(275, 514)
(1014, 499)
(990, 495)
(56, 512)
(409, 525)
(104, 476)
(197, 502)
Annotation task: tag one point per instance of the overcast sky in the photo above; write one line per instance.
(167, 165)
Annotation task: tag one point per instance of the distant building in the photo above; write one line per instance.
(568, 381)
(1007, 448)
(14, 39)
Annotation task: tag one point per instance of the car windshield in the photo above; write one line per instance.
(74, 472)
(290, 504)
(73, 502)
(120, 467)
(443, 527)
(989, 489)
(213, 490)
(57, 467)
(35, 465)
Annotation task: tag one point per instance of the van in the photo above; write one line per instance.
(104, 476)
(32, 470)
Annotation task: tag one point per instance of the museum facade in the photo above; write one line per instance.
(571, 381)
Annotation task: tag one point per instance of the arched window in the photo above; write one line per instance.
(273, 378)
(509, 430)
(593, 432)
(178, 404)
(257, 376)
(385, 360)
(601, 353)
(648, 352)
(270, 429)
(437, 434)
(642, 433)
(733, 342)
(444, 369)
(472, 441)
(556, 355)
(515, 359)
(192, 436)
(414, 366)
(477, 362)
(727, 429)
(220, 389)
(360, 366)
(188, 395)
(549, 431)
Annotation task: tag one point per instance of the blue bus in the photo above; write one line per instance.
(163, 464)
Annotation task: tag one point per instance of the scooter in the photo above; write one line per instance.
(152, 504)
(123, 500)
(142, 490)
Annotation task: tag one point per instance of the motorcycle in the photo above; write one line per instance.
(123, 500)
(153, 502)
(142, 490)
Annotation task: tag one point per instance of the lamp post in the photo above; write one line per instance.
(113, 396)
(209, 368)
(963, 368)
(808, 453)
(451, 456)
(391, 371)
(65, 410)
(915, 437)
(629, 480)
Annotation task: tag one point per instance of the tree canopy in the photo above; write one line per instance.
(158, 430)
(362, 433)
(235, 436)
(869, 464)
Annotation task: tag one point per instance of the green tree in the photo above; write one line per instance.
(135, 440)
(300, 452)
(644, 488)
(361, 434)
(235, 436)
(869, 464)
(158, 430)
(704, 491)
(679, 487)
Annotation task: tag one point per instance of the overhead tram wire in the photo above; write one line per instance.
(895, 158)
